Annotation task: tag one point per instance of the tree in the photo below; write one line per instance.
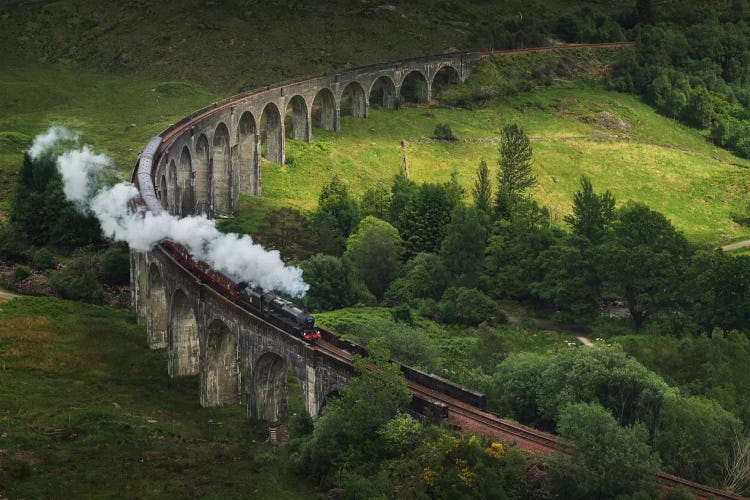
(287, 230)
(607, 461)
(402, 192)
(423, 219)
(482, 190)
(515, 384)
(374, 252)
(592, 213)
(695, 437)
(569, 279)
(376, 201)
(514, 174)
(643, 261)
(40, 211)
(717, 288)
(466, 306)
(425, 276)
(463, 246)
(347, 433)
(329, 283)
(604, 375)
(335, 200)
(509, 264)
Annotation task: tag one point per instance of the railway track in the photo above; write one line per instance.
(476, 421)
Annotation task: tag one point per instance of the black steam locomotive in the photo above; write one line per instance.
(268, 305)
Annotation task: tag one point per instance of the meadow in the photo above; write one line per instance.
(577, 129)
(87, 409)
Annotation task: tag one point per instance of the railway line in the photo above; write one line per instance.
(476, 421)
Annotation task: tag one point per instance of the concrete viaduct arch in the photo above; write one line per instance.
(215, 154)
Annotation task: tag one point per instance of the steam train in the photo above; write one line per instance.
(268, 305)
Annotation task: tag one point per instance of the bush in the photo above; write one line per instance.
(443, 132)
(467, 306)
(402, 314)
(20, 273)
(43, 259)
(78, 280)
(115, 268)
(71, 285)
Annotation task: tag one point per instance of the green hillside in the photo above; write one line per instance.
(87, 409)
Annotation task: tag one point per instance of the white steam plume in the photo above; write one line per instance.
(52, 137)
(234, 255)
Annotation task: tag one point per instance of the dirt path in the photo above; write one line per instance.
(551, 325)
(736, 246)
(5, 296)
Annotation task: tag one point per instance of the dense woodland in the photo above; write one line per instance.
(666, 389)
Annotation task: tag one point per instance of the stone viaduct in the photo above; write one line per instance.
(202, 165)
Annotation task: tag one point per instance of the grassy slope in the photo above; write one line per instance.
(87, 409)
(116, 114)
(228, 45)
(654, 159)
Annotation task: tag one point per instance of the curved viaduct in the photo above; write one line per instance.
(201, 166)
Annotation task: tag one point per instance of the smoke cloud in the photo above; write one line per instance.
(235, 255)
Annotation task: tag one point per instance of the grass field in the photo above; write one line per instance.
(86, 410)
(116, 114)
(578, 128)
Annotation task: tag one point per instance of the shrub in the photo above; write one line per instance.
(71, 285)
(43, 259)
(20, 273)
(402, 314)
(467, 306)
(115, 268)
(443, 132)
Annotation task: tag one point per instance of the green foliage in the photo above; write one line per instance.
(20, 273)
(608, 461)
(374, 252)
(43, 259)
(514, 175)
(592, 213)
(115, 266)
(77, 281)
(515, 384)
(328, 278)
(467, 306)
(287, 230)
(569, 279)
(607, 376)
(376, 201)
(336, 201)
(422, 221)
(347, 433)
(462, 248)
(402, 314)
(400, 434)
(300, 425)
(12, 245)
(443, 132)
(509, 264)
(695, 437)
(718, 290)
(425, 276)
(40, 211)
(644, 260)
(482, 189)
